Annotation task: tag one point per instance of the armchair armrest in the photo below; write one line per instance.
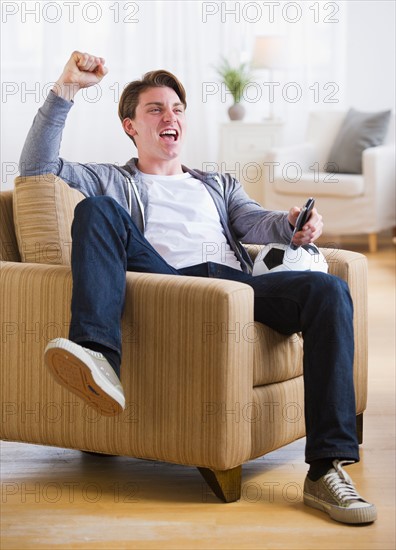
(352, 268)
(187, 369)
(190, 366)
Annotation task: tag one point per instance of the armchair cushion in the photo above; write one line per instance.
(43, 213)
(358, 132)
(276, 357)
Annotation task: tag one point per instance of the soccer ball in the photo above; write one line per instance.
(276, 257)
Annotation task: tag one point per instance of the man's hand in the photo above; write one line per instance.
(81, 71)
(311, 231)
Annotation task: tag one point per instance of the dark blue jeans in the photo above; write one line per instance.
(107, 243)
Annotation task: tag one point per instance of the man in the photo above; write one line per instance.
(155, 215)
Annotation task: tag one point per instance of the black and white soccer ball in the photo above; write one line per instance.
(275, 257)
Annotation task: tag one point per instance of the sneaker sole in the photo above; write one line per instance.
(367, 514)
(73, 374)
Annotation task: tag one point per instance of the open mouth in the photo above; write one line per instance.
(171, 134)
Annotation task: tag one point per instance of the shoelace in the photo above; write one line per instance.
(341, 485)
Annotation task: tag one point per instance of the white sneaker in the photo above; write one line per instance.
(335, 494)
(87, 374)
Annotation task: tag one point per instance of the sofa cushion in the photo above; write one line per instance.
(358, 132)
(322, 184)
(43, 214)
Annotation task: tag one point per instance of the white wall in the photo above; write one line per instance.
(370, 83)
(37, 38)
(357, 53)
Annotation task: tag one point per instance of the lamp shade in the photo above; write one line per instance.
(268, 52)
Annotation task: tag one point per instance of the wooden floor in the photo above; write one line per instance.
(56, 498)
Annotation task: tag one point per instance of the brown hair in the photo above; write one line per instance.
(154, 79)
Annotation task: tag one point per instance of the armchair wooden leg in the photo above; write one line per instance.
(226, 484)
(373, 242)
(359, 428)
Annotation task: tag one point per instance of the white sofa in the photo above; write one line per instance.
(350, 203)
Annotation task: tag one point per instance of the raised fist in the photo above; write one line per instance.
(81, 71)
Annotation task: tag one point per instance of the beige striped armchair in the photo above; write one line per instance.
(205, 385)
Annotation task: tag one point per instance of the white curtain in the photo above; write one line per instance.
(187, 38)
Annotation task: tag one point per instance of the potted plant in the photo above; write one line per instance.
(235, 79)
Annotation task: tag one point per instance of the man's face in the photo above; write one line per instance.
(159, 124)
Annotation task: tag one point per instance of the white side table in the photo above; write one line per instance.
(243, 151)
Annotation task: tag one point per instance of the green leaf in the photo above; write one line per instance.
(235, 78)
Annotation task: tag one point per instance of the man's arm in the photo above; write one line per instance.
(40, 153)
(256, 225)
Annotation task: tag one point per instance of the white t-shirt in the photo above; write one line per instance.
(183, 224)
